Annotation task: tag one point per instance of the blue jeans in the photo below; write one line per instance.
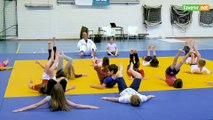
(122, 84)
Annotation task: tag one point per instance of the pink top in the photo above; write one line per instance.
(2, 64)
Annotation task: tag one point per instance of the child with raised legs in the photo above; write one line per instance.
(101, 67)
(109, 81)
(4, 65)
(133, 58)
(197, 65)
(188, 45)
(129, 94)
(48, 74)
(149, 60)
(68, 70)
(173, 70)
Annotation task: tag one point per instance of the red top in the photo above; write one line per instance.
(2, 64)
(170, 79)
(36, 87)
(102, 73)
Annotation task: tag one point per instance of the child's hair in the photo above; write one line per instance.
(58, 100)
(105, 61)
(43, 89)
(135, 100)
(154, 62)
(113, 68)
(63, 83)
(178, 83)
(60, 73)
(110, 38)
(201, 63)
(69, 71)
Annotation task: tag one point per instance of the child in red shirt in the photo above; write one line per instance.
(173, 70)
(135, 60)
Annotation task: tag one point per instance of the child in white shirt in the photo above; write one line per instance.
(112, 48)
(129, 95)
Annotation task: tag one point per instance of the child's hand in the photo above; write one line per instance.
(131, 78)
(104, 98)
(17, 110)
(84, 74)
(150, 97)
(37, 62)
(72, 87)
(93, 107)
(30, 84)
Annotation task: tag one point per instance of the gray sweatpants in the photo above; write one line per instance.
(61, 61)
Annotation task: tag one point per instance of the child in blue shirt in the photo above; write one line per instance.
(109, 81)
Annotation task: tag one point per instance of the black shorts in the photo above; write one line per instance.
(171, 71)
(193, 64)
(111, 53)
(149, 58)
(52, 82)
(186, 49)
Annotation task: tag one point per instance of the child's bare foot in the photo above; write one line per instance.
(84, 74)
(6, 62)
(133, 51)
(144, 78)
(62, 53)
(120, 67)
(149, 47)
(81, 54)
(30, 84)
(153, 47)
(208, 82)
(180, 51)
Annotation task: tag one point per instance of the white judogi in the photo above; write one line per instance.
(86, 47)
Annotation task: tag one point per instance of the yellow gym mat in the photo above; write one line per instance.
(25, 70)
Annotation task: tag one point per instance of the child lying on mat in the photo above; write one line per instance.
(133, 58)
(100, 62)
(149, 60)
(197, 65)
(48, 74)
(3, 65)
(67, 70)
(173, 70)
(188, 45)
(109, 81)
(101, 67)
(129, 95)
(57, 101)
